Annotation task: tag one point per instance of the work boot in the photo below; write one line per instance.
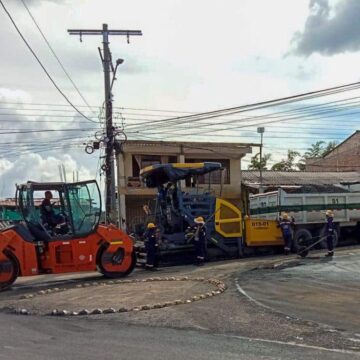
(329, 254)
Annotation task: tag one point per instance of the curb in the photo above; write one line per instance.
(219, 286)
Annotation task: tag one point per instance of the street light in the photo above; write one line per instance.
(261, 131)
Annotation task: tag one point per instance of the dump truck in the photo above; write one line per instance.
(229, 234)
(307, 205)
(76, 243)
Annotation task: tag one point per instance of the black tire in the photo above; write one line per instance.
(323, 244)
(114, 274)
(302, 237)
(11, 266)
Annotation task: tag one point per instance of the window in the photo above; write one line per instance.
(85, 206)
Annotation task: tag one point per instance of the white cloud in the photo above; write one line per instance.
(193, 56)
(34, 167)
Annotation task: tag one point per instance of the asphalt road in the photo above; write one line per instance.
(26, 337)
(228, 326)
(321, 290)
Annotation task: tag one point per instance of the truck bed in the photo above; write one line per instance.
(306, 207)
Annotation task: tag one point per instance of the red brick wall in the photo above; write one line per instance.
(346, 157)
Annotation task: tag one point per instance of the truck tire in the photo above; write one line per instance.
(323, 244)
(302, 237)
(9, 271)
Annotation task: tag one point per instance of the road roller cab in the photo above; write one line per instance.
(61, 233)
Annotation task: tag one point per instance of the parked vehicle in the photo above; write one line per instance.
(307, 204)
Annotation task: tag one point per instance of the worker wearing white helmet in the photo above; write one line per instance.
(199, 235)
(330, 230)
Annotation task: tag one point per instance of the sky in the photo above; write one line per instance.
(194, 56)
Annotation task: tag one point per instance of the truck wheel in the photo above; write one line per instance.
(105, 264)
(9, 271)
(323, 244)
(302, 238)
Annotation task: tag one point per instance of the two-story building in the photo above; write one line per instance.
(137, 154)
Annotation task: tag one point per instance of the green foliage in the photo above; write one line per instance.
(331, 145)
(287, 164)
(319, 149)
(255, 163)
(315, 150)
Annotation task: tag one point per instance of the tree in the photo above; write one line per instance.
(317, 150)
(331, 145)
(255, 162)
(287, 164)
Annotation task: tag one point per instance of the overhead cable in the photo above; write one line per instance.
(41, 64)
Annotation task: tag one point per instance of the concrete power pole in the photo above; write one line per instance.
(110, 202)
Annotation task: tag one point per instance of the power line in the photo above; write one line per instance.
(43, 131)
(199, 126)
(259, 117)
(271, 115)
(54, 54)
(40, 63)
(46, 115)
(260, 105)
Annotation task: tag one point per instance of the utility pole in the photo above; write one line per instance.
(110, 203)
(261, 131)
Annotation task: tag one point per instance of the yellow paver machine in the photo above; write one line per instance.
(229, 234)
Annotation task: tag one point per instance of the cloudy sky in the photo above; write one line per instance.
(194, 56)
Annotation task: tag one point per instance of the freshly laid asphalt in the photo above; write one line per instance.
(318, 289)
(305, 311)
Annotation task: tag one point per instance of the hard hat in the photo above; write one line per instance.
(329, 213)
(151, 226)
(285, 215)
(199, 220)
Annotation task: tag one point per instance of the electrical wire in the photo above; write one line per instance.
(41, 64)
(260, 105)
(55, 55)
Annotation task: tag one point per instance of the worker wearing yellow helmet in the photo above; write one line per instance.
(330, 232)
(150, 246)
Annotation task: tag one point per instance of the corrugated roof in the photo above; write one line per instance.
(278, 178)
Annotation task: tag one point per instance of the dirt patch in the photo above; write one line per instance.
(112, 295)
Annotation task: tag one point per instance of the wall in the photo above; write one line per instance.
(346, 157)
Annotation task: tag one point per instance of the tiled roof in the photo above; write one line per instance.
(252, 177)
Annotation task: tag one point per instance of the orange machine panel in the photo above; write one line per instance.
(24, 251)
